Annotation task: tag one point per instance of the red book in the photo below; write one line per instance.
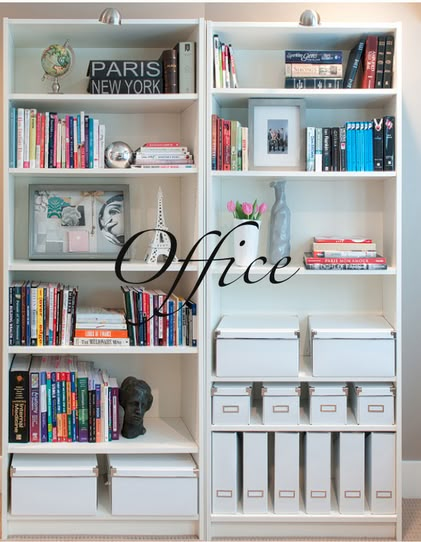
(42, 143)
(370, 56)
(226, 145)
(214, 140)
(162, 144)
(219, 145)
(334, 239)
(310, 259)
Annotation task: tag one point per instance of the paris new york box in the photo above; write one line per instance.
(125, 77)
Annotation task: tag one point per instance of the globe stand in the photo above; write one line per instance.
(55, 87)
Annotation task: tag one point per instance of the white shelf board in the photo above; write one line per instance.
(256, 425)
(260, 270)
(105, 103)
(103, 350)
(163, 436)
(307, 175)
(305, 374)
(101, 173)
(315, 98)
(97, 266)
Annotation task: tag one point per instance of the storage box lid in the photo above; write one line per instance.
(258, 326)
(350, 327)
(373, 389)
(232, 388)
(48, 465)
(325, 388)
(152, 465)
(281, 388)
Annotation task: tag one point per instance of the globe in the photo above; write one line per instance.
(56, 61)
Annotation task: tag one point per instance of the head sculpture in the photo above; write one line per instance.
(136, 398)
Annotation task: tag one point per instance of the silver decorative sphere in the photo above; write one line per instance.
(118, 155)
(309, 17)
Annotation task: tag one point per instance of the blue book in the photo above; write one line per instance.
(313, 57)
(49, 407)
(192, 322)
(71, 143)
(350, 143)
(73, 406)
(28, 312)
(369, 154)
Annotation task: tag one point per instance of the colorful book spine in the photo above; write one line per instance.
(313, 57)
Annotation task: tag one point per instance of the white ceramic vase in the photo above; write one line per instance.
(246, 241)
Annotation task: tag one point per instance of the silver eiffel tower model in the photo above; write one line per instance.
(161, 243)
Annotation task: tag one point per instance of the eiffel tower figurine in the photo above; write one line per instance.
(161, 243)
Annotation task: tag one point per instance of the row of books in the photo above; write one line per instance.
(370, 62)
(229, 145)
(224, 70)
(45, 140)
(344, 253)
(61, 399)
(164, 155)
(41, 314)
(156, 319)
(356, 146)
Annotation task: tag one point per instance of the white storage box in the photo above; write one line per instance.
(231, 403)
(153, 485)
(328, 403)
(281, 403)
(257, 346)
(317, 472)
(373, 403)
(225, 473)
(286, 475)
(349, 472)
(352, 346)
(380, 466)
(54, 485)
(255, 473)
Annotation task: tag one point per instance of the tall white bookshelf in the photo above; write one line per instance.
(174, 373)
(365, 202)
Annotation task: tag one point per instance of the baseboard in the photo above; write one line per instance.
(411, 479)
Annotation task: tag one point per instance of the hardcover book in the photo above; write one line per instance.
(313, 57)
(354, 59)
(186, 51)
(381, 46)
(388, 62)
(169, 63)
(370, 55)
(19, 398)
(313, 82)
(389, 143)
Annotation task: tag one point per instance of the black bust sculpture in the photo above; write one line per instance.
(136, 398)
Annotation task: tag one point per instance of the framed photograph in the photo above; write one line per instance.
(276, 133)
(77, 222)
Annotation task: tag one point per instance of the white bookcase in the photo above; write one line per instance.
(321, 203)
(175, 374)
(195, 203)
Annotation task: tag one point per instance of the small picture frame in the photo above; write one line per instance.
(276, 133)
(77, 222)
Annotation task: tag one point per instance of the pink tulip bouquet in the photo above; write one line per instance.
(247, 211)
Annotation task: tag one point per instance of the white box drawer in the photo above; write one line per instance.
(352, 346)
(225, 473)
(231, 403)
(255, 473)
(257, 346)
(286, 477)
(167, 482)
(349, 472)
(373, 403)
(281, 403)
(380, 468)
(317, 472)
(54, 485)
(328, 404)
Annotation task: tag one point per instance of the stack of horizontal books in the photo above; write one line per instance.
(97, 326)
(163, 154)
(313, 69)
(344, 253)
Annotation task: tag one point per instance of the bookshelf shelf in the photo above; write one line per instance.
(124, 174)
(63, 103)
(163, 436)
(102, 267)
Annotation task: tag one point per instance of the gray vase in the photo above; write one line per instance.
(280, 225)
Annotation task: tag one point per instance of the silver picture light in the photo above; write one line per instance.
(309, 17)
(110, 16)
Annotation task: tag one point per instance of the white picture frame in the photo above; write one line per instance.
(276, 132)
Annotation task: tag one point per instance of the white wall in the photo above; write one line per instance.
(410, 16)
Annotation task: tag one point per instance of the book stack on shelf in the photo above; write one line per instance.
(100, 326)
(156, 319)
(229, 145)
(344, 253)
(370, 62)
(356, 146)
(224, 72)
(43, 140)
(61, 399)
(163, 154)
(41, 314)
(313, 69)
